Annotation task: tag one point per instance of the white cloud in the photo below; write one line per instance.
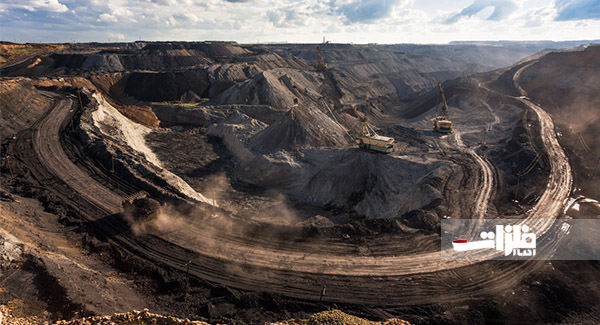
(34, 5)
(358, 21)
(116, 36)
(578, 9)
(494, 10)
(368, 11)
(108, 18)
(288, 17)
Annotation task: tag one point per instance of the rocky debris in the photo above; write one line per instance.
(337, 317)
(330, 317)
(370, 72)
(134, 317)
(8, 317)
(317, 221)
(11, 249)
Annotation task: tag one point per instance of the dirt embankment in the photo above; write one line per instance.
(151, 57)
(11, 53)
(23, 104)
(566, 85)
(20, 107)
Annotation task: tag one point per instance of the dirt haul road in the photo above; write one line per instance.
(296, 268)
(485, 178)
(561, 178)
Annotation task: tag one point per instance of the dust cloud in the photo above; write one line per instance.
(273, 207)
(167, 220)
(232, 215)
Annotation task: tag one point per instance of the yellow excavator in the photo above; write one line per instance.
(442, 123)
(366, 138)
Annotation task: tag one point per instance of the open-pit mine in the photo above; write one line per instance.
(235, 183)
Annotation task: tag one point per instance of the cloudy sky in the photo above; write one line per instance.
(307, 21)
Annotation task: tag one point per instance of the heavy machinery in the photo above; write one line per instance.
(442, 122)
(366, 138)
(321, 65)
(140, 207)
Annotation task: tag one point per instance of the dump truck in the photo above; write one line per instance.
(442, 123)
(140, 207)
(366, 138)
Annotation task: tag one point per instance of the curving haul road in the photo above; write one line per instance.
(295, 267)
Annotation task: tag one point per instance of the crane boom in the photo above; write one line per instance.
(442, 123)
(445, 107)
(321, 66)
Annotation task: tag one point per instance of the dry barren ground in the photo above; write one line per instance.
(256, 229)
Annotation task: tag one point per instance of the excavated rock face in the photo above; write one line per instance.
(20, 106)
(166, 86)
(143, 209)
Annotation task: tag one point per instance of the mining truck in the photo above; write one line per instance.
(140, 206)
(442, 123)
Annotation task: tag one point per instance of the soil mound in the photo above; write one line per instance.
(301, 127)
(277, 88)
